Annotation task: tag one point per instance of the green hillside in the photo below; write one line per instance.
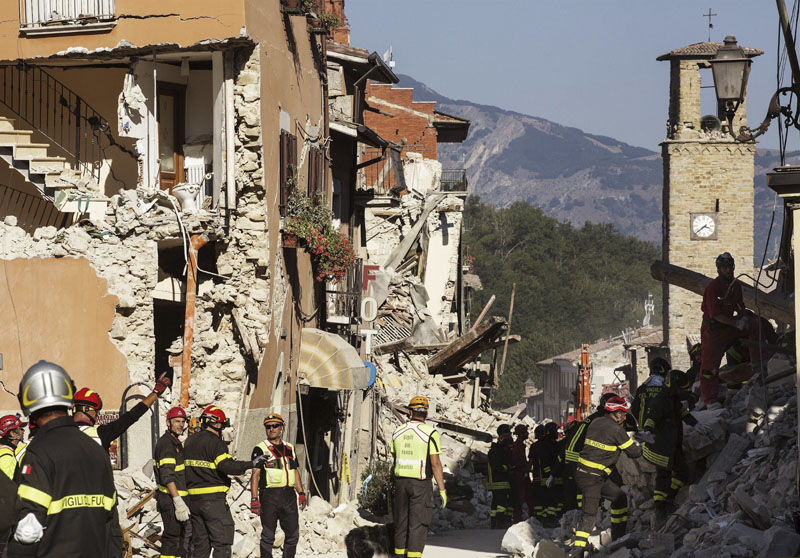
(573, 285)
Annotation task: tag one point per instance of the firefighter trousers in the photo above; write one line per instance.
(212, 525)
(279, 504)
(594, 488)
(173, 538)
(413, 511)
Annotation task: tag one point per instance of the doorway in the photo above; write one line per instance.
(171, 119)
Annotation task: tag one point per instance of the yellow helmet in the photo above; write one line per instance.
(273, 418)
(418, 402)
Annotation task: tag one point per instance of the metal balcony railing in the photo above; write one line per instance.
(44, 13)
(56, 111)
(343, 304)
(453, 180)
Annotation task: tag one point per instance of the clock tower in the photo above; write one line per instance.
(707, 205)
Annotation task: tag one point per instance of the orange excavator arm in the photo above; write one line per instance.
(583, 393)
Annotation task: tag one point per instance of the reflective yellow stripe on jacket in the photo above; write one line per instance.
(91, 431)
(165, 490)
(277, 476)
(410, 446)
(8, 462)
(207, 465)
(72, 501)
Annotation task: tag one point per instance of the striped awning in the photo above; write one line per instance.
(328, 361)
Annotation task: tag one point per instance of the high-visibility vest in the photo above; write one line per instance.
(91, 431)
(276, 469)
(8, 462)
(412, 444)
(19, 451)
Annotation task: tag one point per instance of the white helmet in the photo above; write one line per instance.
(44, 385)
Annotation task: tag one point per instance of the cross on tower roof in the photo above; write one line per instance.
(709, 15)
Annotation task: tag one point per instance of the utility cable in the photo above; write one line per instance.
(305, 442)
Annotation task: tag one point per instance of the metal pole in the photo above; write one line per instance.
(791, 50)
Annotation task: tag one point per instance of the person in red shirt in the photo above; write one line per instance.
(519, 460)
(722, 298)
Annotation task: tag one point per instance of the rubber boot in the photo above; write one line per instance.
(618, 530)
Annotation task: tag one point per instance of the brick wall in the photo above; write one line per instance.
(411, 122)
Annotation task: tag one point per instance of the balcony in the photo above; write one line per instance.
(50, 17)
(343, 304)
(454, 181)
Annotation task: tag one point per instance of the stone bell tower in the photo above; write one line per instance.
(708, 191)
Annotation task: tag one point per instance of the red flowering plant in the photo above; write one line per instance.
(331, 252)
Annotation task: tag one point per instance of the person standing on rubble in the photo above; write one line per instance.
(605, 441)
(208, 469)
(521, 468)
(273, 487)
(664, 417)
(695, 357)
(416, 447)
(537, 482)
(722, 298)
(650, 389)
(66, 492)
(169, 469)
(88, 404)
(500, 471)
(552, 469)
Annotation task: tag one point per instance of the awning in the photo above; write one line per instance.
(328, 361)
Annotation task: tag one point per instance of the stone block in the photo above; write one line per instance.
(621, 553)
(548, 549)
(521, 538)
(740, 533)
(780, 542)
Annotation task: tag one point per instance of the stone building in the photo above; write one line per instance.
(707, 194)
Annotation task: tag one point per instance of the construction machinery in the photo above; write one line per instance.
(583, 389)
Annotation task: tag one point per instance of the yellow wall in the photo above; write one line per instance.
(58, 309)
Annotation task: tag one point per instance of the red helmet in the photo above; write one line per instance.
(212, 416)
(88, 398)
(9, 423)
(616, 403)
(176, 412)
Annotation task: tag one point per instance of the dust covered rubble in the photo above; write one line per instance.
(743, 502)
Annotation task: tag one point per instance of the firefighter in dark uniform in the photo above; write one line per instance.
(537, 482)
(552, 468)
(696, 358)
(416, 447)
(208, 466)
(88, 405)
(664, 417)
(170, 475)
(273, 487)
(500, 471)
(66, 490)
(605, 440)
(521, 468)
(650, 389)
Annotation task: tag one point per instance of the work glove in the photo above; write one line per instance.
(302, 503)
(259, 461)
(549, 481)
(443, 494)
(645, 437)
(181, 509)
(255, 506)
(29, 530)
(162, 384)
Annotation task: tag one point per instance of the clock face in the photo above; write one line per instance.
(703, 226)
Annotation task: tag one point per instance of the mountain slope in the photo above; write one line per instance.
(572, 175)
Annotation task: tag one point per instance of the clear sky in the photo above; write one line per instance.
(584, 63)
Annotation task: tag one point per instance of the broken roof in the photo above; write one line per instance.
(451, 129)
(644, 336)
(362, 60)
(362, 133)
(704, 50)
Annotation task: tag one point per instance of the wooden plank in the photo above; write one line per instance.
(771, 305)
(483, 313)
(467, 347)
(505, 343)
(132, 511)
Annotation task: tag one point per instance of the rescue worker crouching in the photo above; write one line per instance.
(208, 466)
(500, 471)
(416, 447)
(169, 469)
(66, 492)
(604, 442)
(273, 487)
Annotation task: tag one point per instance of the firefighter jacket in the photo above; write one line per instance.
(605, 440)
(67, 483)
(550, 458)
(8, 461)
(664, 417)
(413, 443)
(168, 464)
(208, 464)
(277, 471)
(519, 459)
(645, 393)
(576, 437)
(19, 451)
(500, 461)
(535, 462)
(104, 434)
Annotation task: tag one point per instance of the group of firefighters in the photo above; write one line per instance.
(577, 470)
(57, 487)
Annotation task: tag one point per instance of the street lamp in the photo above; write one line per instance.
(731, 68)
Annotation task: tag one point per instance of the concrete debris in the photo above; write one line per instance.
(531, 539)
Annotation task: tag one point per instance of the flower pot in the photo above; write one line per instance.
(291, 6)
(289, 241)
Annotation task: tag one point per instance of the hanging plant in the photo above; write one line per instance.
(332, 253)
